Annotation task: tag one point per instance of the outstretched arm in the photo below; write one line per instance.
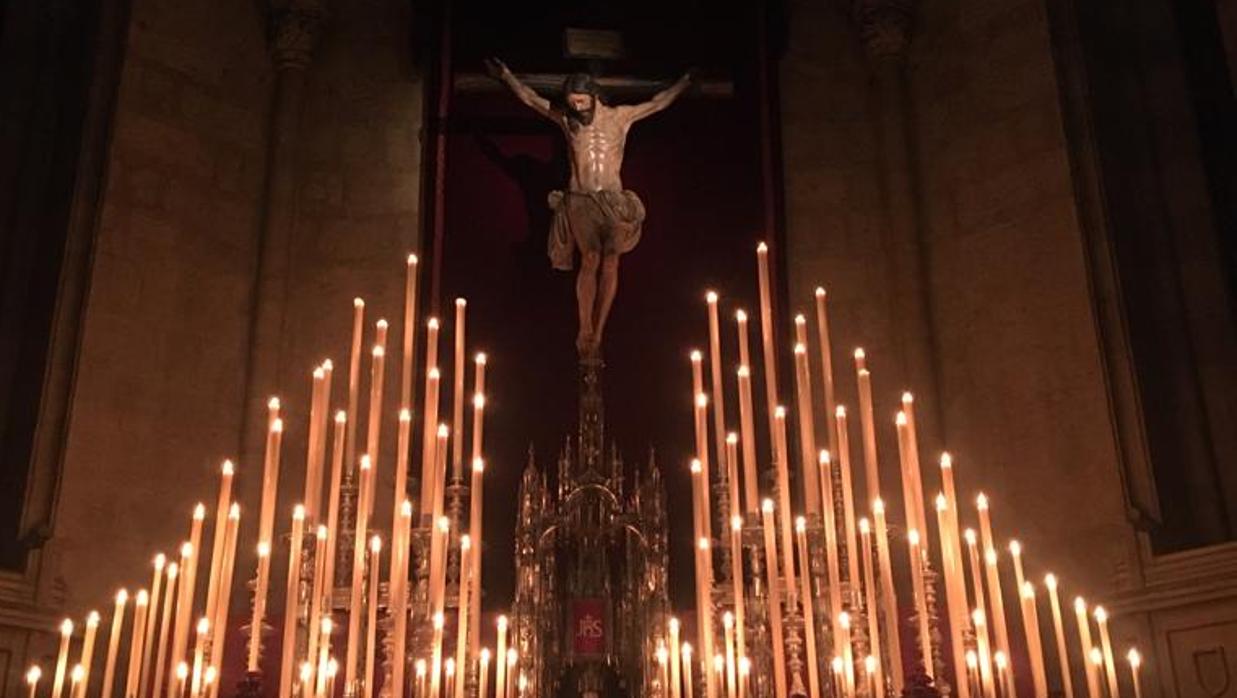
(523, 92)
(660, 101)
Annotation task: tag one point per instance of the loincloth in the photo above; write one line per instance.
(606, 222)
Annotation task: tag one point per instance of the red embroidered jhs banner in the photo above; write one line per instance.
(588, 620)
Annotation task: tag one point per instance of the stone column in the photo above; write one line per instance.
(294, 27)
(884, 27)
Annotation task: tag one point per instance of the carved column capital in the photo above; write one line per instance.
(293, 29)
(884, 26)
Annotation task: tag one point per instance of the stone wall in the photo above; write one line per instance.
(1023, 389)
(160, 373)
(161, 381)
(1022, 395)
(833, 211)
(357, 209)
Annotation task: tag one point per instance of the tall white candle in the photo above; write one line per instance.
(32, 680)
(429, 425)
(908, 487)
(270, 481)
(400, 490)
(355, 598)
(733, 499)
(165, 625)
(921, 601)
(1084, 642)
(736, 578)
(995, 599)
(768, 352)
(663, 665)
(832, 554)
(747, 440)
(986, 679)
(809, 617)
(476, 501)
(1097, 662)
(441, 533)
(259, 608)
(848, 499)
(702, 437)
(889, 599)
(377, 373)
(826, 365)
(371, 613)
(848, 654)
(977, 576)
(462, 620)
(998, 605)
(148, 633)
(62, 658)
(220, 624)
(287, 665)
(869, 586)
(807, 427)
(689, 688)
(912, 461)
(321, 418)
(408, 356)
(674, 667)
(732, 675)
(705, 615)
(784, 515)
(338, 436)
(1035, 645)
(871, 475)
(141, 603)
(1110, 667)
(188, 578)
(313, 468)
(226, 471)
(500, 680)
(1001, 661)
(484, 671)
(399, 601)
(1058, 624)
(324, 671)
(88, 642)
(715, 372)
(182, 679)
(354, 382)
(202, 630)
(774, 599)
(314, 616)
(457, 392)
(955, 597)
(1135, 660)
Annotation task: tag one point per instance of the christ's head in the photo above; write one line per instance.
(580, 93)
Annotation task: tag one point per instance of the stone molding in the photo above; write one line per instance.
(293, 30)
(884, 26)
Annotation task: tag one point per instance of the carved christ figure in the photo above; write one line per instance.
(595, 214)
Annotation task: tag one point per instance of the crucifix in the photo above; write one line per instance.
(594, 214)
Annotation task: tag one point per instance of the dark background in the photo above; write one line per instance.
(697, 167)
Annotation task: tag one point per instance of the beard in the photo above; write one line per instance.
(582, 118)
